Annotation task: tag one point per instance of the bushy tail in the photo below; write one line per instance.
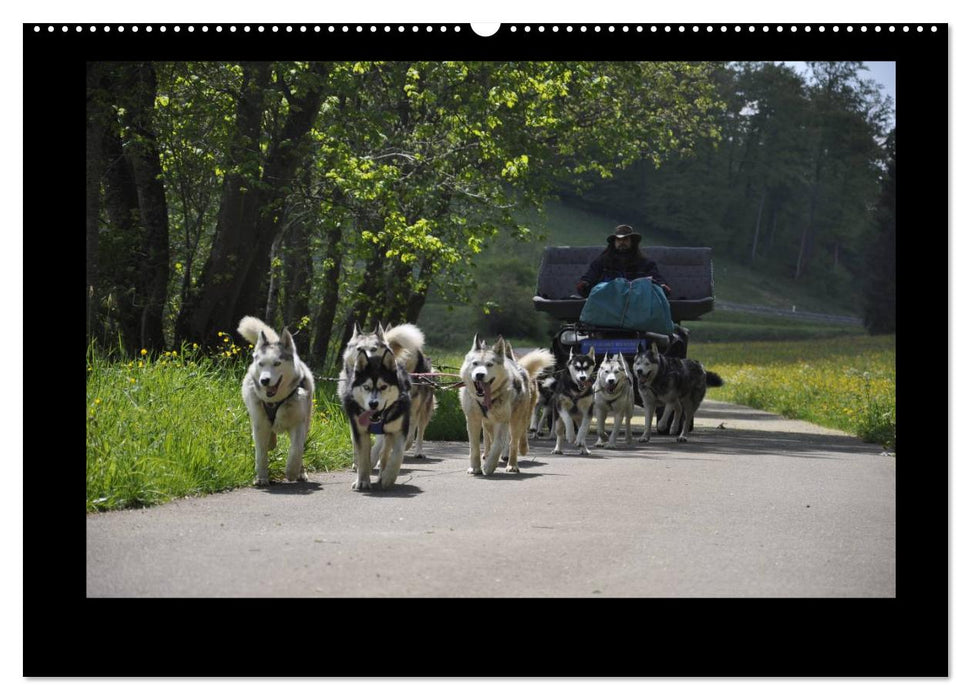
(712, 379)
(406, 341)
(536, 361)
(250, 327)
(406, 337)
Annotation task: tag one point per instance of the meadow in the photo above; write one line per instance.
(175, 425)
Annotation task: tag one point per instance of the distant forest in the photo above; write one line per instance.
(318, 195)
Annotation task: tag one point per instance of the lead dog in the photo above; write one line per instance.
(278, 391)
(498, 398)
(613, 395)
(377, 400)
(679, 384)
(406, 342)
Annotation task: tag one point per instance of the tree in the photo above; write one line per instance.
(254, 190)
(880, 307)
(128, 264)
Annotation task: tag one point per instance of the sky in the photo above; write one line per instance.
(883, 72)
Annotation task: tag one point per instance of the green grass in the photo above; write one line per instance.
(846, 383)
(721, 326)
(176, 426)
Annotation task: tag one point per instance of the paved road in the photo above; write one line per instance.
(752, 505)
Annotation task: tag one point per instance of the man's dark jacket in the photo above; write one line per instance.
(612, 264)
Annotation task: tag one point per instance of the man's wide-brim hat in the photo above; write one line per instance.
(624, 231)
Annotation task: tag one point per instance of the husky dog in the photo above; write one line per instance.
(498, 398)
(542, 418)
(613, 394)
(278, 391)
(406, 342)
(377, 400)
(679, 384)
(573, 401)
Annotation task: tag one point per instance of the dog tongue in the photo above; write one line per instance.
(487, 394)
(365, 418)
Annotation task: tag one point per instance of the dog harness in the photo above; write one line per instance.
(272, 408)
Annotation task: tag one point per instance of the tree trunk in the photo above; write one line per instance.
(758, 224)
(153, 260)
(297, 280)
(119, 248)
(324, 320)
(97, 120)
(209, 308)
(251, 215)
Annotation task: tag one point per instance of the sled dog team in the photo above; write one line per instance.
(505, 399)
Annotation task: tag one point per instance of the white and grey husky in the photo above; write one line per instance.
(573, 401)
(679, 384)
(613, 395)
(377, 400)
(498, 398)
(278, 391)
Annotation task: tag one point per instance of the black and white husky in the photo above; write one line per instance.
(679, 384)
(278, 391)
(573, 401)
(377, 401)
(406, 341)
(613, 394)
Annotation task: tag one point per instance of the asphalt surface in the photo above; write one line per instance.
(752, 505)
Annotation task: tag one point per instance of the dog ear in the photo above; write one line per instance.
(387, 359)
(287, 340)
(357, 331)
(362, 360)
(476, 344)
(592, 354)
(654, 349)
(500, 347)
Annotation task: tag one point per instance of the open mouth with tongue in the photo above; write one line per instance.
(483, 390)
(271, 390)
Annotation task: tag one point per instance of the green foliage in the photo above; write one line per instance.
(845, 383)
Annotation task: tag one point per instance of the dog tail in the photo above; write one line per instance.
(407, 337)
(536, 361)
(712, 379)
(250, 327)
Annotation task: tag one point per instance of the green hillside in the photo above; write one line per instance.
(505, 274)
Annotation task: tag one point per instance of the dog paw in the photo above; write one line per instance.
(512, 470)
(584, 450)
(362, 485)
(475, 470)
(261, 482)
(555, 451)
(644, 438)
(682, 438)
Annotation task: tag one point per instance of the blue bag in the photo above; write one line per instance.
(638, 305)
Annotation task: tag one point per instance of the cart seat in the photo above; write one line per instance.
(688, 271)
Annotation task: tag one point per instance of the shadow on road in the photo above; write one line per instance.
(290, 488)
(759, 442)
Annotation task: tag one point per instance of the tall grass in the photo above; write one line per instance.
(175, 425)
(847, 383)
